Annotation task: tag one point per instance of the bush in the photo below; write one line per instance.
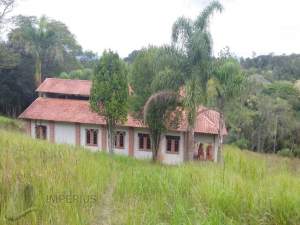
(285, 152)
(242, 143)
(297, 152)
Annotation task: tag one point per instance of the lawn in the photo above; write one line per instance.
(42, 183)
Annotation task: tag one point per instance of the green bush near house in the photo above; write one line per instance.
(43, 183)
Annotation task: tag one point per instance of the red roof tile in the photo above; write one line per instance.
(78, 111)
(65, 86)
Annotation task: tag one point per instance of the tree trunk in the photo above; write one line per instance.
(155, 140)
(220, 130)
(111, 135)
(38, 71)
(220, 137)
(275, 135)
(190, 143)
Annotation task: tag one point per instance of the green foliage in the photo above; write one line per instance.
(109, 94)
(10, 124)
(282, 67)
(285, 90)
(155, 69)
(228, 81)
(81, 74)
(8, 58)
(285, 152)
(45, 40)
(251, 189)
(157, 115)
(194, 40)
(242, 143)
(17, 87)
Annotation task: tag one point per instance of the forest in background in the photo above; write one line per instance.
(264, 117)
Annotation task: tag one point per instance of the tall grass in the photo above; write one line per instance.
(246, 189)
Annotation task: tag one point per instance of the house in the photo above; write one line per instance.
(61, 114)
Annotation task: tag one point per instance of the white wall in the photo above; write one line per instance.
(171, 158)
(83, 128)
(34, 123)
(64, 133)
(138, 153)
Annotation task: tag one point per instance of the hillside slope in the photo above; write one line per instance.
(44, 183)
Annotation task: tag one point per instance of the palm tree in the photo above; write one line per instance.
(226, 84)
(194, 40)
(44, 39)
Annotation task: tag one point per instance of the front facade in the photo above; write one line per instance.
(62, 115)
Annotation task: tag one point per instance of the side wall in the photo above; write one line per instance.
(64, 133)
(69, 133)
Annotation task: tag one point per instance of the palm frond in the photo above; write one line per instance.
(181, 31)
(202, 21)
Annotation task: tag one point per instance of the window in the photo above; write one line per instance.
(172, 144)
(144, 142)
(41, 132)
(91, 137)
(119, 139)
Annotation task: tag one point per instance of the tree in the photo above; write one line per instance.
(194, 40)
(227, 82)
(17, 86)
(6, 7)
(157, 113)
(81, 74)
(109, 92)
(44, 39)
(155, 69)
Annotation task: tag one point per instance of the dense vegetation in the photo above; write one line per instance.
(57, 184)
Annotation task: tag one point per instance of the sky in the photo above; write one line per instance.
(247, 27)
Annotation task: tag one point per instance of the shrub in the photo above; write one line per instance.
(242, 143)
(285, 152)
(297, 152)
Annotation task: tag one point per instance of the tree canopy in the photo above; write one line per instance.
(109, 94)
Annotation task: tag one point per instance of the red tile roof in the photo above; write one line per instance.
(78, 111)
(66, 86)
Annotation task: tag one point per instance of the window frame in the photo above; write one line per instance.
(117, 142)
(41, 132)
(172, 143)
(91, 133)
(145, 141)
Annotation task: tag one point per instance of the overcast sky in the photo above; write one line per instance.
(246, 26)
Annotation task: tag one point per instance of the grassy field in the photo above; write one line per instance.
(10, 124)
(42, 183)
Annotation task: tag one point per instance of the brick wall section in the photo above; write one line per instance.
(52, 131)
(131, 142)
(28, 127)
(104, 138)
(77, 134)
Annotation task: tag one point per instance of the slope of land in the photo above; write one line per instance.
(42, 183)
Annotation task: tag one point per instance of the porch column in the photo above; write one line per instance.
(77, 134)
(52, 131)
(131, 142)
(104, 138)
